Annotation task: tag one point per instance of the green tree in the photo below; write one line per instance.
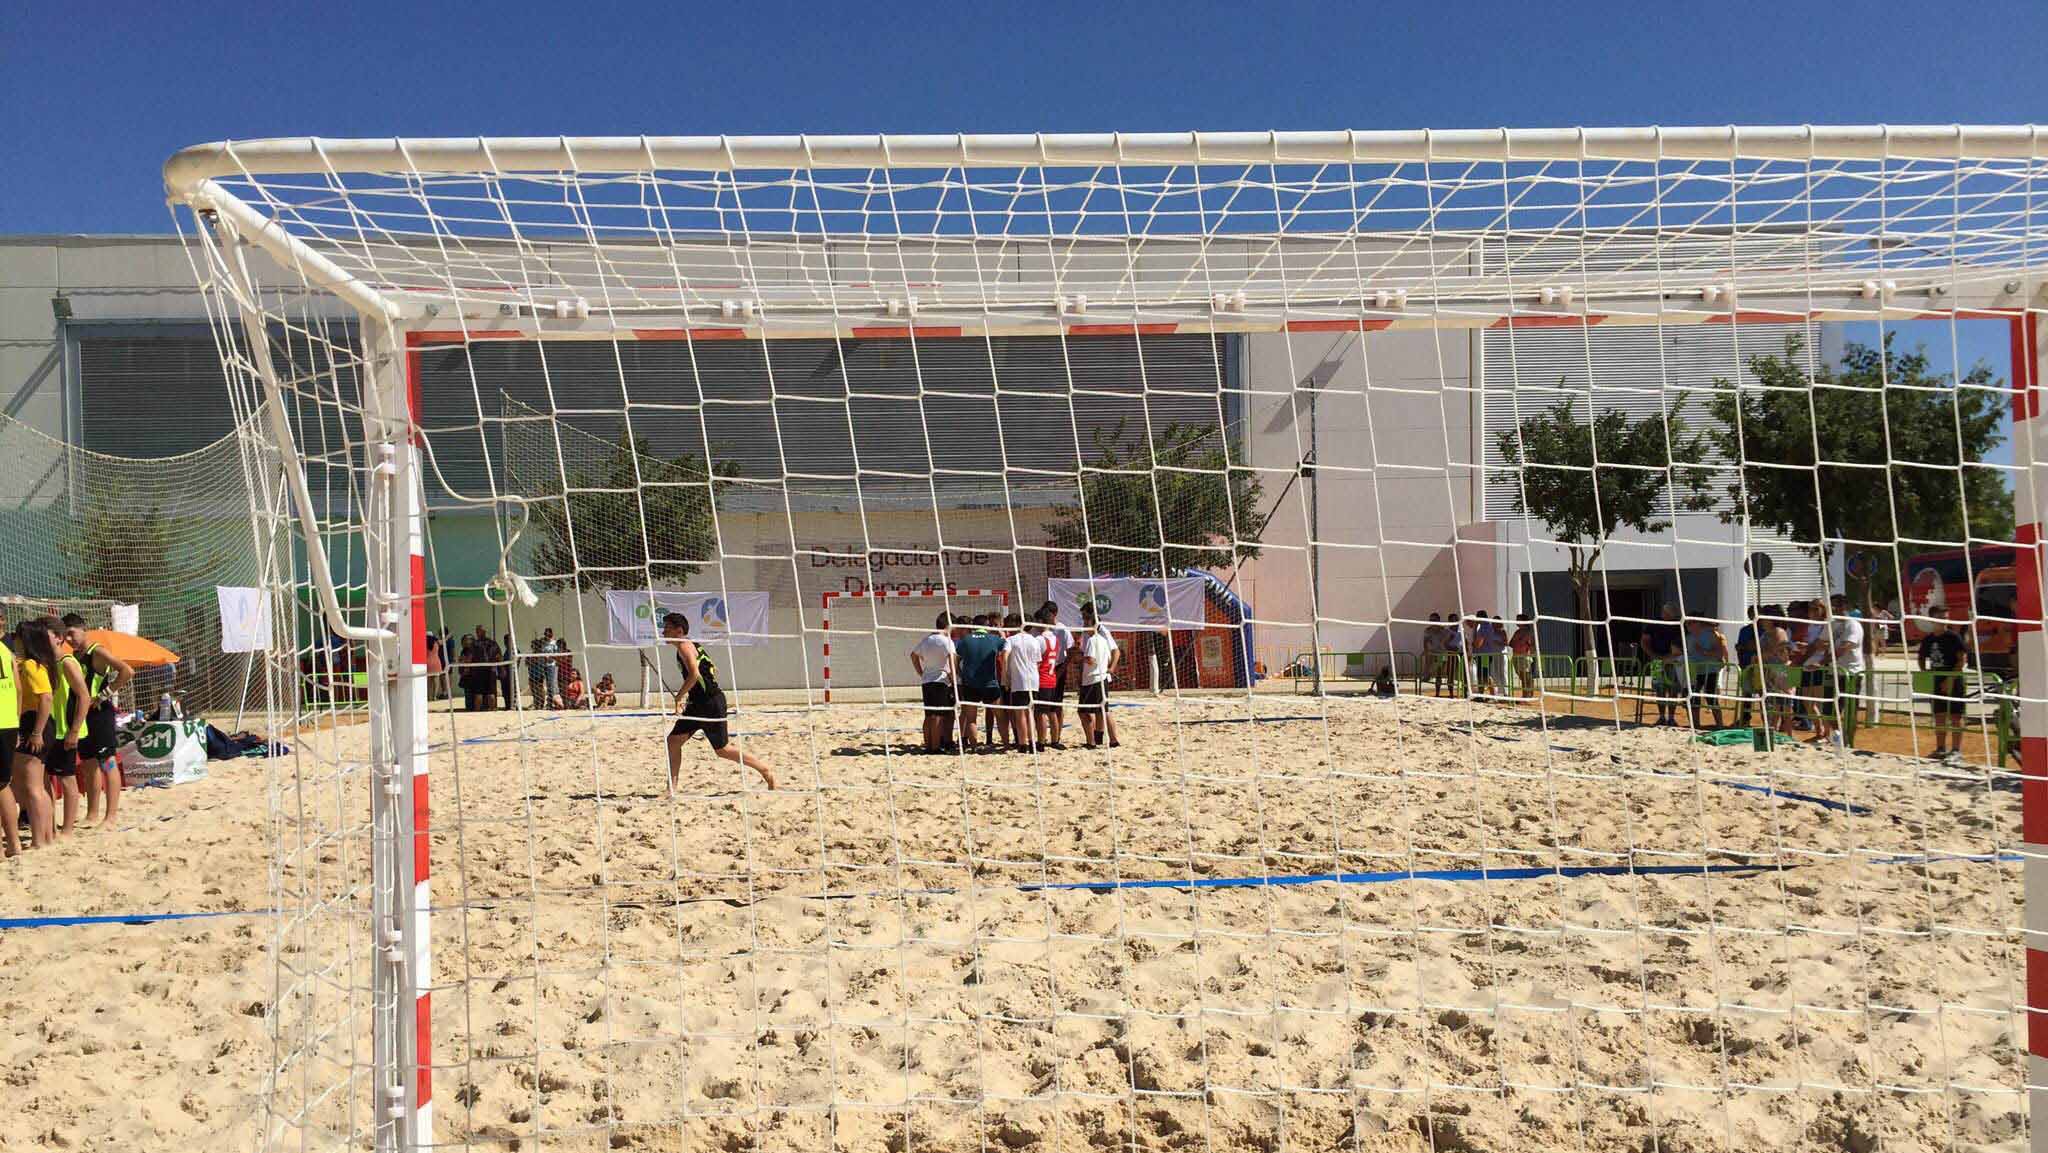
(597, 529)
(1210, 508)
(1633, 484)
(1864, 455)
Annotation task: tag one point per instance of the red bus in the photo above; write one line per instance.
(1977, 583)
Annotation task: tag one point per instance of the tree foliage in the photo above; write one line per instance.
(1182, 480)
(1864, 454)
(1589, 477)
(597, 529)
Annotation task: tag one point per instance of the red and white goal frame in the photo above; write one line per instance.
(411, 278)
(825, 614)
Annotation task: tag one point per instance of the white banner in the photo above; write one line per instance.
(128, 619)
(1133, 602)
(152, 751)
(633, 617)
(244, 619)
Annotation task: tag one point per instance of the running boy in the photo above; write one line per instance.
(701, 703)
(937, 666)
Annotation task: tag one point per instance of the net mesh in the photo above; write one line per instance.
(1486, 900)
(87, 531)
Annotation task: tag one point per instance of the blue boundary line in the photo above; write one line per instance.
(1528, 873)
(1805, 798)
(124, 918)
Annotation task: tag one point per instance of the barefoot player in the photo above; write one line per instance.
(701, 703)
(99, 774)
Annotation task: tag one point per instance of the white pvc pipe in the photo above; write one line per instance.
(185, 171)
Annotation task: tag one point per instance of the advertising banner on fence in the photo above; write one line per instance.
(634, 617)
(1132, 602)
(162, 752)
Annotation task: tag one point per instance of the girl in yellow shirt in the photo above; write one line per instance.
(37, 657)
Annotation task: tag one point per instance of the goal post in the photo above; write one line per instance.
(1318, 364)
(945, 598)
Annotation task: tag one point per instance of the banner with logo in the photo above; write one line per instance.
(1133, 602)
(634, 616)
(162, 752)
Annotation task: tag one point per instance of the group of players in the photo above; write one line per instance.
(1015, 671)
(57, 764)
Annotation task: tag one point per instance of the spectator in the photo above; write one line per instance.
(606, 694)
(1945, 652)
(1488, 641)
(1454, 654)
(572, 689)
(1748, 674)
(1522, 650)
(505, 653)
(1663, 649)
(1846, 639)
(1433, 667)
(1706, 652)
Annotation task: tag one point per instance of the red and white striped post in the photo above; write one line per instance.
(2030, 453)
(398, 751)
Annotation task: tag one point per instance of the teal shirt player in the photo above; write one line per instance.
(977, 654)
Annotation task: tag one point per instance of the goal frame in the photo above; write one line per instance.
(825, 615)
(398, 321)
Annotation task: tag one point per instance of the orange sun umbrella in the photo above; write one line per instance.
(139, 652)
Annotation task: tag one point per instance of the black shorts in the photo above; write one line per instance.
(938, 695)
(1094, 696)
(58, 761)
(1053, 697)
(714, 731)
(1018, 698)
(982, 695)
(1948, 695)
(1706, 684)
(7, 740)
(100, 732)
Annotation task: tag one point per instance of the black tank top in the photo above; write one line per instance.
(707, 680)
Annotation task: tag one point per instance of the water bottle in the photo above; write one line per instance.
(167, 708)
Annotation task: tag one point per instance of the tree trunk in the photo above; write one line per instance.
(1582, 586)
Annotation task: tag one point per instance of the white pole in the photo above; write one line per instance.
(398, 703)
(242, 697)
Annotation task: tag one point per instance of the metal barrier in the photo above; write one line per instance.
(1360, 665)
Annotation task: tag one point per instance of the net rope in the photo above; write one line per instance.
(1266, 920)
(89, 530)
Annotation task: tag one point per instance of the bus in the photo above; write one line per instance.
(1978, 583)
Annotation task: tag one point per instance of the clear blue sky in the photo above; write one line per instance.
(94, 96)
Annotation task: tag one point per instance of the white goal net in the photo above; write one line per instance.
(1567, 601)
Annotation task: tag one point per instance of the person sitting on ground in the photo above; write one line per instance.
(1663, 646)
(572, 689)
(1522, 650)
(606, 694)
(1945, 652)
(936, 664)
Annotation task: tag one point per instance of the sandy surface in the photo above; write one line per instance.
(867, 959)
